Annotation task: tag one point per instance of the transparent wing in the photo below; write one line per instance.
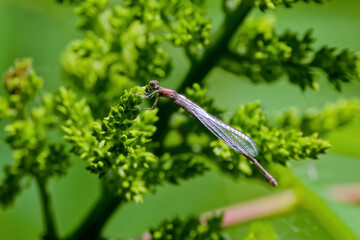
(229, 135)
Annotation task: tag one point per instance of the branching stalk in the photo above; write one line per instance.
(48, 213)
(94, 222)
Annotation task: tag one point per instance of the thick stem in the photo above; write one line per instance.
(95, 221)
(215, 51)
(48, 213)
(318, 207)
(331, 222)
(200, 68)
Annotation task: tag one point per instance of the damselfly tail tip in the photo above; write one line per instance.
(272, 181)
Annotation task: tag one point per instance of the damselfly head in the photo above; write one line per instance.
(153, 85)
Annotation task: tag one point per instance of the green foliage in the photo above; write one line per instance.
(272, 4)
(97, 66)
(187, 24)
(22, 86)
(174, 168)
(331, 117)
(209, 229)
(261, 54)
(114, 148)
(191, 228)
(27, 132)
(341, 67)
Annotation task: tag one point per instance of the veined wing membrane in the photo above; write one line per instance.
(231, 136)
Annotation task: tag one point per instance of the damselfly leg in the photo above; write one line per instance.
(149, 96)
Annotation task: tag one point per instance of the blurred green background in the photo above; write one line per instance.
(41, 29)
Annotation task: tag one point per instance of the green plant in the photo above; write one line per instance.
(133, 151)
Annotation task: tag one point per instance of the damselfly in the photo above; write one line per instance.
(229, 135)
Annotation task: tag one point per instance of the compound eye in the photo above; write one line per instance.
(153, 84)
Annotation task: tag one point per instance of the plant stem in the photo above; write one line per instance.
(325, 215)
(200, 68)
(317, 206)
(257, 208)
(349, 193)
(48, 213)
(94, 222)
(215, 51)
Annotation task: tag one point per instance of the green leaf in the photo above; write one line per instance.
(272, 4)
(261, 231)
